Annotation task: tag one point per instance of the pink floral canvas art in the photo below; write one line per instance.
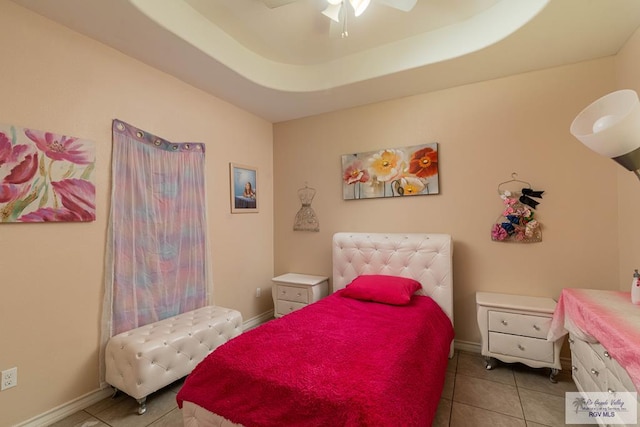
(391, 172)
(45, 177)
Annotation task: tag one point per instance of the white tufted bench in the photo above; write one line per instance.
(145, 359)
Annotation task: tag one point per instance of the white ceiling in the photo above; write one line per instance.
(287, 62)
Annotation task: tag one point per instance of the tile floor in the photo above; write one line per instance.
(509, 395)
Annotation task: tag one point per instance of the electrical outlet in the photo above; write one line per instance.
(9, 378)
(258, 292)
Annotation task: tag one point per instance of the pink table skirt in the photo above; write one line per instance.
(607, 317)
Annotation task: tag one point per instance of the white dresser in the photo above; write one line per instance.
(514, 329)
(593, 368)
(592, 317)
(293, 291)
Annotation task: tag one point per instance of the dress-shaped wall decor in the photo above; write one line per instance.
(517, 223)
(306, 219)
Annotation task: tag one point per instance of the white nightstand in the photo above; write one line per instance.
(293, 291)
(514, 329)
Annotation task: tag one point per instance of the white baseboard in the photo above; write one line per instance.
(257, 320)
(471, 347)
(60, 412)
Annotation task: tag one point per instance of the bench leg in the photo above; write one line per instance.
(142, 408)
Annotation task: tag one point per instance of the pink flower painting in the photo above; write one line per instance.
(391, 172)
(45, 177)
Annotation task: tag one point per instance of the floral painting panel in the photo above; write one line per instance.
(391, 172)
(45, 177)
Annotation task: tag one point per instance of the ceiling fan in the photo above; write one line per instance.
(336, 10)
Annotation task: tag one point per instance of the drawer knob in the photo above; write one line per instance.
(574, 368)
(611, 391)
(536, 327)
(606, 354)
(504, 322)
(520, 347)
(594, 372)
(299, 294)
(570, 340)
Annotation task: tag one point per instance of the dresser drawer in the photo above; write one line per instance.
(521, 347)
(519, 324)
(292, 293)
(594, 364)
(580, 349)
(614, 384)
(597, 371)
(622, 380)
(582, 376)
(286, 307)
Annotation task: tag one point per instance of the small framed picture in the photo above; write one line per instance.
(244, 188)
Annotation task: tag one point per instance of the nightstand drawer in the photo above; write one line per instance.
(290, 293)
(286, 307)
(521, 347)
(514, 328)
(519, 324)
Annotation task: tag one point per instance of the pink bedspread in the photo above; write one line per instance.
(607, 316)
(338, 362)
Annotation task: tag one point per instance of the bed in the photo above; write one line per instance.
(373, 353)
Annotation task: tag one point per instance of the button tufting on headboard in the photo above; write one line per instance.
(424, 257)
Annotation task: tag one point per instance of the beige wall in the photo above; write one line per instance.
(628, 77)
(51, 275)
(485, 132)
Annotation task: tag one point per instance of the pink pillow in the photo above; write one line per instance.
(380, 288)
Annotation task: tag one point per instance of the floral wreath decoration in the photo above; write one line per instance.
(517, 222)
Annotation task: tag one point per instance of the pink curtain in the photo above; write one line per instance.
(157, 263)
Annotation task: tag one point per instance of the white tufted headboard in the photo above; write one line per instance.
(426, 258)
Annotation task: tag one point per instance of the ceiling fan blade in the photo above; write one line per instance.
(403, 5)
(272, 4)
(333, 11)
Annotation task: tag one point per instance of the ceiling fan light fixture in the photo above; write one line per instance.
(359, 6)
